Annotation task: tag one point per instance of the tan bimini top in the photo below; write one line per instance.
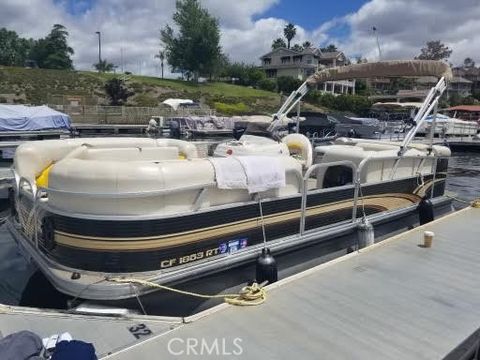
(393, 68)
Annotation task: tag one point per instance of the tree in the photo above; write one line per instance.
(329, 48)
(307, 44)
(361, 60)
(297, 47)
(468, 63)
(289, 31)
(161, 56)
(244, 74)
(287, 84)
(104, 66)
(278, 43)
(434, 50)
(53, 51)
(195, 49)
(13, 49)
(117, 92)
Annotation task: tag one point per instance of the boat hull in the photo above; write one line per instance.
(293, 254)
(233, 235)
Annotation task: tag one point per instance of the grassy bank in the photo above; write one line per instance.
(41, 86)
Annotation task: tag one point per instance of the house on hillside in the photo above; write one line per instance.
(471, 74)
(302, 64)
(457, 85)
(383, 87)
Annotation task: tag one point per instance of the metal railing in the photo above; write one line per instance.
(100, 114)
(309, 171)
(357, 172)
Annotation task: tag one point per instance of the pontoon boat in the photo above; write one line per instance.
(90, 210)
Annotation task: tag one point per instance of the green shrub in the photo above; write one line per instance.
(231, 109)
(287, 84)
(356, 104)
(145, 100)
(267, 84)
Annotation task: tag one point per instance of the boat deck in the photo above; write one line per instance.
(392, 300)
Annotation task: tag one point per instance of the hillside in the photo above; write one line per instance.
(42, 86)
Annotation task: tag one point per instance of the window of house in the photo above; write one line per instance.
(271, 73)
(285, 60)
(297, 59)
(267, 61)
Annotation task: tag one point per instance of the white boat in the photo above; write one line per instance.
(89, 211)
(446, 126)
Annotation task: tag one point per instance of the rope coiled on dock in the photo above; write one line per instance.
(249, 295)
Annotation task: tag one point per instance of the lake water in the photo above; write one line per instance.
(463, 179)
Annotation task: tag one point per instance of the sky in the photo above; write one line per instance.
(130, 28)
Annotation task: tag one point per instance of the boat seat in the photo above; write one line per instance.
(131, 154)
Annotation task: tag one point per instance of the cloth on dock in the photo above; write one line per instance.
(22, 345)
(255, 173)
(74, 350)
(229, 173)
(263, 172)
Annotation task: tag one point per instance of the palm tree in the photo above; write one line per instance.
(278, 43)
(289, 31)
(306, 44)
(161, 56)
(104, 66)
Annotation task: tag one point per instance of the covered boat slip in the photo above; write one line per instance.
(393, 300)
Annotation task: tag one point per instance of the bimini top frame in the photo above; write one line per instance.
(394, 68)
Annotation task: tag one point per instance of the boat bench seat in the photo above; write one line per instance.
(131, 154)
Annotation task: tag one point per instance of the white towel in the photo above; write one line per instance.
(229, 173)
(263, 172)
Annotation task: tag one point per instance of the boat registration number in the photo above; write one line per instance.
(180, 260)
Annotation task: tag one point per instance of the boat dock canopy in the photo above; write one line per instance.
(393, 68)
(393, 300)
(467, 108)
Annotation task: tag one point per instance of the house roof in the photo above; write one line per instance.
(460, 71)
(278, 50)
(459, 79)
(331, 55)
(307, 51)
(470, 108)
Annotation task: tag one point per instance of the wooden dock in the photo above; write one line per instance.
(84, 130)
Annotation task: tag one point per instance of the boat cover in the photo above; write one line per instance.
(175, 103)
(28, 118)
(393, 68)
(204, 122)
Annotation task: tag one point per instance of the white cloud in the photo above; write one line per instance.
(135, 28)
(404, 26)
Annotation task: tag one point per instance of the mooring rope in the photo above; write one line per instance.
(473, 203)
(249, 295)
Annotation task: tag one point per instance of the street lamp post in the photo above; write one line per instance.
(375, 33)
(99, 47)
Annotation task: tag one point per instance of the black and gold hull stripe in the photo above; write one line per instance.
(152, 244)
